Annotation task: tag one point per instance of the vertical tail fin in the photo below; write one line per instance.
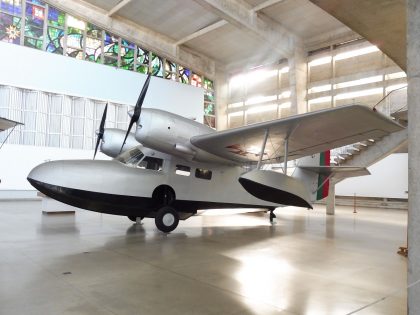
(323, 180)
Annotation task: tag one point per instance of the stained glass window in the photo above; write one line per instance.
(56, 17)
(55, 31)
(157, 65)
(209, 96)
(209, 109)
(184, 74)
(10, 28)
(208, 84)
(127, 55)
(11, 6)
(111, 48)
(55, 38)
(75, 37)
(93, 43)
(142, 62)
(196, 80)
(210, 121)
(170, 70)
(34, 26)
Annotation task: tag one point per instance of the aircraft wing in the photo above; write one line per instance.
(7, 123)
(308, 134)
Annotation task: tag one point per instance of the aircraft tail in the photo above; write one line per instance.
(311, 170)
(315, 172)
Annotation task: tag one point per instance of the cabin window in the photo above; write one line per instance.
(151, 163)
(183, 170)
(203, 173)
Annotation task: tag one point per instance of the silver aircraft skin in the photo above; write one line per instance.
(172, 166)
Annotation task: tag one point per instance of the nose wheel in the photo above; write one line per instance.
(166, 219)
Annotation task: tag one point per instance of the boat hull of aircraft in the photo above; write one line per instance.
(114, 188)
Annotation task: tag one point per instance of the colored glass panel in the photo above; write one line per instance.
(33, 42)
(208, 84)
(10, 28)
(142, 62)
(111, 46)
(93, 31)
(209, 109)
(55, 39)
(128, 44)
(184, 74)
(11, 6)
(157, 66)
(127, 58)
(170, 76)
(170, 70)
(209, 96)
(75, 53)
(38, 2)
(210, 121)
(75, 38)
(93, 49)
(196, 80)
(56, 17)
(110, 61)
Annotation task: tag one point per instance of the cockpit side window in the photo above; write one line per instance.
(151, 163)
(131, 157)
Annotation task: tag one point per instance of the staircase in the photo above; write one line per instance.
(368, 152)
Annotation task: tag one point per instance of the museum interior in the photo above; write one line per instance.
(93, 183)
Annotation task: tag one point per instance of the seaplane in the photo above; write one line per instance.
(171, 166)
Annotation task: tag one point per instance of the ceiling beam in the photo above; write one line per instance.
(203, 31)
(241, 14)
(118, 7)
(266, 4)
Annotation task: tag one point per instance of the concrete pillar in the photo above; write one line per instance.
(330, 207)
(413, 76)
(298, 78)
(222, 93)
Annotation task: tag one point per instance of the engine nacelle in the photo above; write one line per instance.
(113, 140)
(169, 133)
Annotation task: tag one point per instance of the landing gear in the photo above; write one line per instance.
(166, 219)
(272, 217)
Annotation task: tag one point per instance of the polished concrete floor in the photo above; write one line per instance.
(308, 263)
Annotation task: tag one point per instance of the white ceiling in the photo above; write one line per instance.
(226, 45)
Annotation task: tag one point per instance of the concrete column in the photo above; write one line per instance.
(413, 76)
(330, 207)
(221, 86)
(298, 78)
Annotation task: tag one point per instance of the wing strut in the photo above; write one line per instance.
(263, 148)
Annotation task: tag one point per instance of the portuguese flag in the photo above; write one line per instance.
(324, 160)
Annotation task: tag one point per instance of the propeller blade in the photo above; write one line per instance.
(101, 130)
(137, 108)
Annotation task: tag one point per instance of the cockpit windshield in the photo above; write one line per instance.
(136, 158)
(131, 157)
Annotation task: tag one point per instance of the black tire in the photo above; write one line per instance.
(134, 219)
(166, 219)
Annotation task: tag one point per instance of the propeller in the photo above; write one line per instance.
(101, 130)
(137, 109)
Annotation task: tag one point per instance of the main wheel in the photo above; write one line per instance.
(166, 219)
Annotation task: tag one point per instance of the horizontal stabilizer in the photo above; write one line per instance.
(338, 171)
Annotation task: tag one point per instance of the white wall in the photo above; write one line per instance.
(37, 70)
(388, 179)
